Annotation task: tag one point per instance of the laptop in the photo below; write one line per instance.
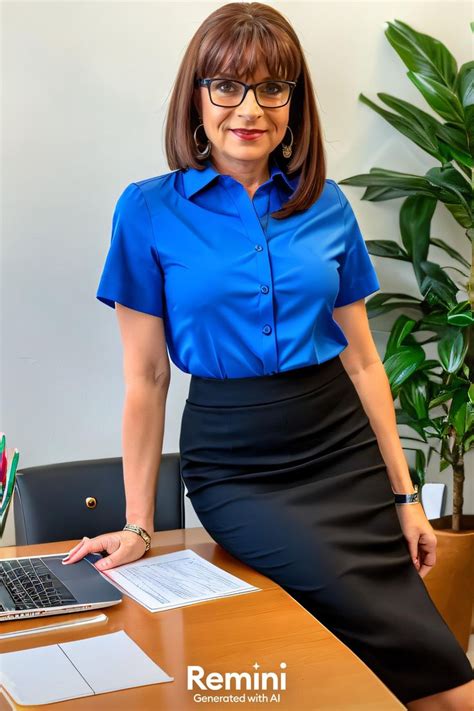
(38, 586)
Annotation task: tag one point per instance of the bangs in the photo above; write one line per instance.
(246, 48)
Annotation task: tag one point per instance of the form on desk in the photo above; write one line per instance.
(175, 579)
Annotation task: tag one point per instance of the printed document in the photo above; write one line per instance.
(175, 579)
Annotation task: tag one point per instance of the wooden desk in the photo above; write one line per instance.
(229, 634)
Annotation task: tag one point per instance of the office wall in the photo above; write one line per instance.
(85, 93)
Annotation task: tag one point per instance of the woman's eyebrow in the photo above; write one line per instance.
(226, 75)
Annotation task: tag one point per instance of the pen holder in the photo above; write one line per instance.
(7, 480)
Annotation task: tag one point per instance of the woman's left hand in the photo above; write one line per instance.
(420, 536)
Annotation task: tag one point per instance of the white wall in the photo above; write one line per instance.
(85, 92)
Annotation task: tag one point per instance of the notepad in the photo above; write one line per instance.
(57, 672)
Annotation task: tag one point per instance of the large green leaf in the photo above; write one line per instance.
(385, 184)
(453, 143)
(458, 412)
(443, 396)
(423, 136)
(465, 91)
(436, 321)
(436, 286)
(400, 329)
(465, 84)
(415, 218)
(460, 214)
(386, 248)
(449, 179)
(414, 396)
(429, 365)
(446, 454)
(420, 467)
(452, 349)
(402, 364)
(376, 305)
(422, 53)
(445, 142)
(442, 99)
(461, 315)
(422, 120)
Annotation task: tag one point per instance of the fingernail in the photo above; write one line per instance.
(76, 547)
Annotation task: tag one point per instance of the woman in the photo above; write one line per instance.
(249, 264)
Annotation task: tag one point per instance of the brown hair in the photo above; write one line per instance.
(235, 36)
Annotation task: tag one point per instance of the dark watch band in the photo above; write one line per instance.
(407, 498)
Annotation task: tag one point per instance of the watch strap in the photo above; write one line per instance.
(407, 498)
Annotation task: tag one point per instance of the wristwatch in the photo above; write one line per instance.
(141, 532)
(407, 498)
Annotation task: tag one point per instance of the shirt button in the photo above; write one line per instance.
(264, 289)
(258, 247)
(267, 329)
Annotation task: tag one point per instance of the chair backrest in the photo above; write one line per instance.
(74, 499)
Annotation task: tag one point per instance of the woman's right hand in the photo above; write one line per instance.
(122, 547)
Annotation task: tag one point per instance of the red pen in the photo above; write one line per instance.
(3, 460)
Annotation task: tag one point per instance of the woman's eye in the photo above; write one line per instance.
(273, 88)
(222, 86)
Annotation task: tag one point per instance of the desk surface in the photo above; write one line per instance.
(229, 634)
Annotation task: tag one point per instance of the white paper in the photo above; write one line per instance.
(175, 579)
(69, 670)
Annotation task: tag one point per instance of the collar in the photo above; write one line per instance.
(194, 179)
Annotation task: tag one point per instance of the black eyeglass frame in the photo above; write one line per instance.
(207, 82)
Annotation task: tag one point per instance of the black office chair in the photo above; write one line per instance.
(74, 499)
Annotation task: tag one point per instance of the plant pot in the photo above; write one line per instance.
(451, 581)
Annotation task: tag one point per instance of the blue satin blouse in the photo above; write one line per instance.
(241, 294)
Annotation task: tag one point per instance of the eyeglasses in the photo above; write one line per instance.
(228, 93)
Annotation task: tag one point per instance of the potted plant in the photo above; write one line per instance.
(434, 389)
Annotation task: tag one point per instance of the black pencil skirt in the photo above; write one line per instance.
(284, 471)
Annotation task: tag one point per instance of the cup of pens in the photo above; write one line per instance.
(8, 467)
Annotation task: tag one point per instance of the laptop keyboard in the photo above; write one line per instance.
(32, 585)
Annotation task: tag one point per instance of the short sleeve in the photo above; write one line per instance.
(132, 274)
(357, 275)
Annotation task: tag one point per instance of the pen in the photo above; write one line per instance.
(59, 626)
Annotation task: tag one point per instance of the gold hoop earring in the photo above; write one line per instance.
(207, 151)
(287, 149)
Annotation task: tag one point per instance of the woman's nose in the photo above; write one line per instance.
(249, 106)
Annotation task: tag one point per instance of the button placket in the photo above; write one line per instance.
(265, 319)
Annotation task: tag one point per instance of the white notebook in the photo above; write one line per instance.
(57, 672)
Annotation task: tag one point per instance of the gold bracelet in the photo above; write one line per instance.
(141, 532)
